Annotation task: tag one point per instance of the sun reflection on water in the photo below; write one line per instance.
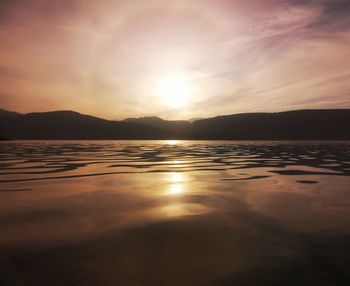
(176, 162)
(183, 209)
(172, 142)
(176, 181)
(176, 177)
(175, 189)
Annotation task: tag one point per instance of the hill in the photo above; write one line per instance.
(332, 124)
(70, 125)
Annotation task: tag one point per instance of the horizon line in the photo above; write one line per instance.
(189, 120)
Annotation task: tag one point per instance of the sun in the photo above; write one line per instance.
(174, 90)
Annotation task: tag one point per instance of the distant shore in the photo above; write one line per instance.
(298, 125)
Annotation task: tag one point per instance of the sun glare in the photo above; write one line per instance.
(174, 90)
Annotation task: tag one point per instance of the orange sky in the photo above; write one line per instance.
(109, 58)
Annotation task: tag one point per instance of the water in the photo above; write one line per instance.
(174, 213)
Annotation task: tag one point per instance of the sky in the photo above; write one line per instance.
(177, 59)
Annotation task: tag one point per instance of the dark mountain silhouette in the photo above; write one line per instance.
(172, 128)
(70, 125)
(332, 124)
(324, 124)
(195, 119)
(159, 122)
(2, 137)
(3, 115)
(6, 113)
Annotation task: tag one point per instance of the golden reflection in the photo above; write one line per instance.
(176, 209)
(176, 184)
(176, 177)
(175, 189)
(181, 209)
(172, 142)
(176, 162)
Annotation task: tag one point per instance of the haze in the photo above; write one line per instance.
(174, 59)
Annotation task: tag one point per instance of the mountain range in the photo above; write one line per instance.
(317, 124)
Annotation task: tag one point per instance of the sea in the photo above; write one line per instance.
(166, 213)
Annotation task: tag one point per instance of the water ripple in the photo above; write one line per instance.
(27, 161)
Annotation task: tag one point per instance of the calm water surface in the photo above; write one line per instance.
(174, 213)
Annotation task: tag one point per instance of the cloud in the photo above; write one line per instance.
(334, 16)
(105, 57)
